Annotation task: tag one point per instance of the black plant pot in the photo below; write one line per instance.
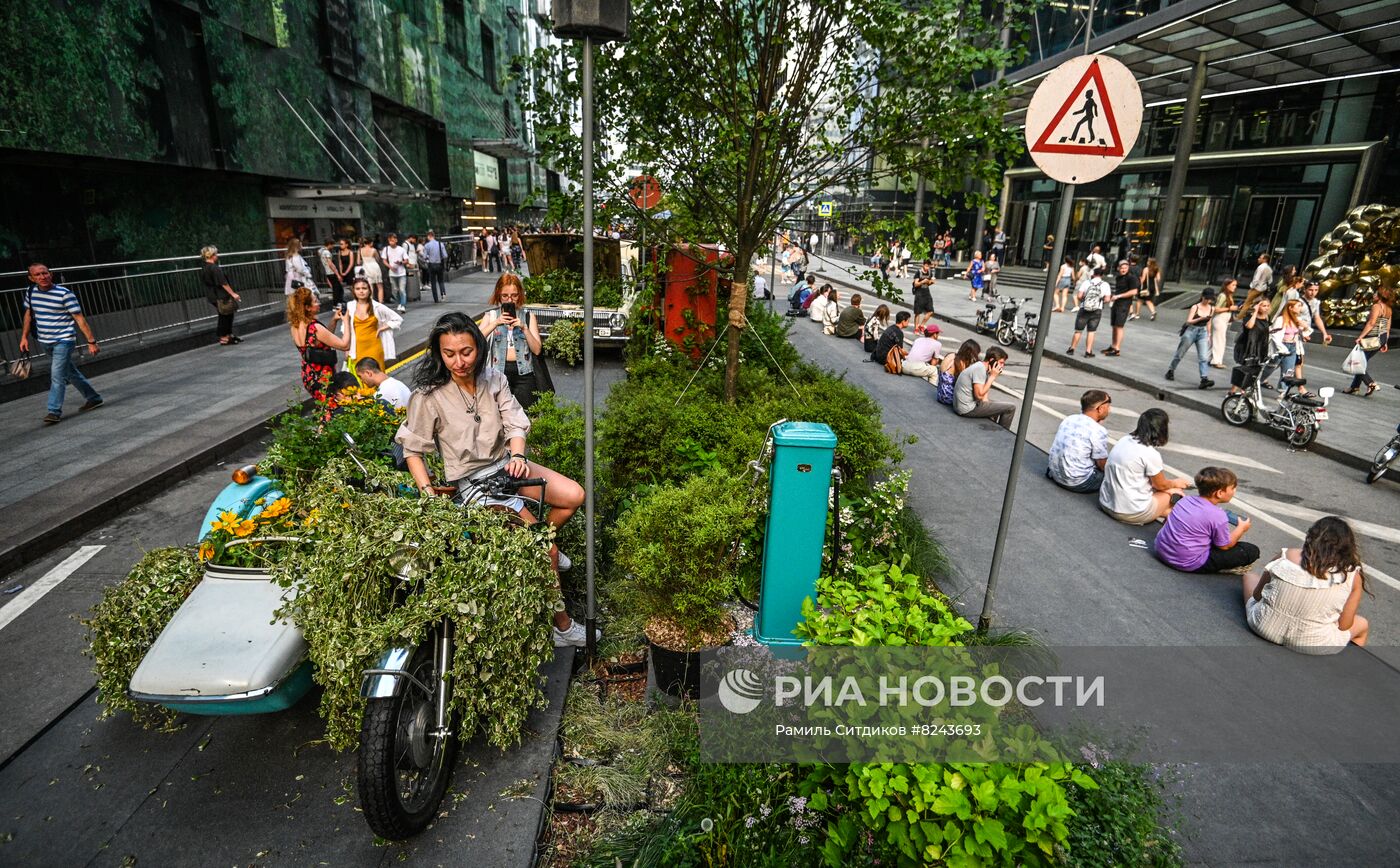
(677, 673)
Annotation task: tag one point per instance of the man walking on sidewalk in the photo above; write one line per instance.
(1258, 285)
(434, 260)
(55, 312)
(1125, 289)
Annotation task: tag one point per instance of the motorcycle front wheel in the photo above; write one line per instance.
(1383, 461)
(1005, 335)
(404, 767)
(1236, 410)
(1304, 431)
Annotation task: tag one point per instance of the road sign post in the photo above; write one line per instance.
(1081, 123)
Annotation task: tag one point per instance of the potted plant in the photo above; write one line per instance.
(678, 552)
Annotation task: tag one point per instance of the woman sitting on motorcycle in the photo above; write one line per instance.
(465, 411)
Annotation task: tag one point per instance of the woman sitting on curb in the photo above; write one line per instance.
(1136, 489)
(1306, 599)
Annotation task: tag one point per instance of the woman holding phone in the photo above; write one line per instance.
(513, 338)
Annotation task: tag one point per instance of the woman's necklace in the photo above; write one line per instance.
(471, 406)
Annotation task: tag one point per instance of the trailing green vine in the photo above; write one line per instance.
(565, 341)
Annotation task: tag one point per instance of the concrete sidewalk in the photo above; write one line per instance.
(1357, 427)
(162, 420)
(1070, 576)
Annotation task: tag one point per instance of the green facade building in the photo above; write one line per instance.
(136, 129)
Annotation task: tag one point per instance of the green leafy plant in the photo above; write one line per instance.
(126, 622)
(882, 605)
(489, 575)
(302, 443)
(565, 341)
(1119, 822)
(566, 287)
(236, 541)
(676, 548)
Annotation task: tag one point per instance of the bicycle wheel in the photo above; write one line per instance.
(1006, 336)
(1236, 410)
(1304, 431)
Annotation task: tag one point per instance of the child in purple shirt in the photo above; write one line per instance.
(1198, 537)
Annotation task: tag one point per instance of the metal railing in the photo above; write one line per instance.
(131, 305)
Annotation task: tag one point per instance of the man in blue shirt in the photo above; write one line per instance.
(55, 313)
(434, 260)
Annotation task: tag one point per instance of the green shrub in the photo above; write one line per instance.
(1120, 821)
(882, 605)
(566, 287)
(126, 622)
(302, 443)
(677, 549)
(565, 341)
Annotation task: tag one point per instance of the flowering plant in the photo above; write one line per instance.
(237, 541)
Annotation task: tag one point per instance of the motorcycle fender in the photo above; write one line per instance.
(388, 674)
(241, 500)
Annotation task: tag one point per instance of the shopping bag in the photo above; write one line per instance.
(1355, 362)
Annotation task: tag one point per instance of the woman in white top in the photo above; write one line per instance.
(369, 268)
(362, 308)
(817, 309)
(831, 313)
(1306, 599)
(1136, 488)
(297, 271)
(1064, 285)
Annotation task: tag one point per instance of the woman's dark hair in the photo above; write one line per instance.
(1330, 546)
(1151, 428)
(966, 356)
(1069, 260)
(882, 313)
(430, 373)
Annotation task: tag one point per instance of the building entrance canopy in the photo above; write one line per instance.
(1247, 45)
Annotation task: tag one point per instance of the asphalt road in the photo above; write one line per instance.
(77, 790)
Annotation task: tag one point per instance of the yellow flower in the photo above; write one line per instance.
(206, 551)
(260, 501)
(245, 527)
(227, 521)
(278, 508)
(313, 516)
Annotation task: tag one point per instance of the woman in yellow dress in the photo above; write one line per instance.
(370, 328)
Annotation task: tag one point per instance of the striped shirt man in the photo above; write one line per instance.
(54, 309)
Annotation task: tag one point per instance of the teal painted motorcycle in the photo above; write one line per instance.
(225, 653)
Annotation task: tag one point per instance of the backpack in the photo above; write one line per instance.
(894, 360)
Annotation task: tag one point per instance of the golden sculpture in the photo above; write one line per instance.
(1366, 241)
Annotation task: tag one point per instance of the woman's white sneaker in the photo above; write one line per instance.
(575, 636)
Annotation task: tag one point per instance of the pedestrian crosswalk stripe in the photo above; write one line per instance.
(52, 579)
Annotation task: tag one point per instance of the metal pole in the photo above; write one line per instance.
(1023, 424)
(772, 268)
(1176, 184)
(590, 646)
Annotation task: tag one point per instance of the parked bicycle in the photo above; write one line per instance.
(1013, 330)
(1298, 415)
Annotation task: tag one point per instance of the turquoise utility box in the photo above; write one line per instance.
(800, 472)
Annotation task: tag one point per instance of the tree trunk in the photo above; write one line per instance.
(738, 304)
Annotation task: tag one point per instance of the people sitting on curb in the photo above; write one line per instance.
(892, 338)
(1088, 311)
(954, 364)
(386, 388)
(925, 354)
(802, 295)
(849, 323)
(832, 312)
(816, 307)
(973, 387)
(1136, 489)
(1080, 448)
(1307, 599)
(1200, 536)
(874, 327)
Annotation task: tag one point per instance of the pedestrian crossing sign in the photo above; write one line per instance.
(1084, 119)
(825, 209)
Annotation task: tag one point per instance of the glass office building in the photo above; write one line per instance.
(1298, 115)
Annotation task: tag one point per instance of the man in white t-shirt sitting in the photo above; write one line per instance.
(760, 286)
(1080, 448)
(386, 388)
(925, 354)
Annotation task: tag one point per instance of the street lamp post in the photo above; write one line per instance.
(603, 21)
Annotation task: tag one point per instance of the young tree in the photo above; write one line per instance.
(748, 110)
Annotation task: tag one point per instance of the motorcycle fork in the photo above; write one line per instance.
(442, 660)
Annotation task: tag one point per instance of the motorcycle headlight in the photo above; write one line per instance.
(404, 562)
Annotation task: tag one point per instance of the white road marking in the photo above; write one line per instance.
(1250, 505)
(1221, 458)
(1118, 412)
(52, 579)
(1013, 372)
(1378, 531)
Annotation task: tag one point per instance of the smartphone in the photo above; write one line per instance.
(508, 308)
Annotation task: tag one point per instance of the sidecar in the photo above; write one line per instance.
(223, 653)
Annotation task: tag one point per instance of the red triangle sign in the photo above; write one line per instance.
(1085, 137)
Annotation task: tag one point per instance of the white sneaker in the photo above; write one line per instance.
(575, 636)
(402, 309)
(564, 562)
